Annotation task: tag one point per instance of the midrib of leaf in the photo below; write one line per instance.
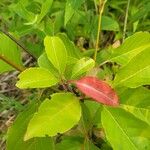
(56, 59)
(89, 87)
(133, 50)
(135, 147)
(132, 75)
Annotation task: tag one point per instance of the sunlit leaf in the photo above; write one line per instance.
(43, 62)
(124, 131)
(54, 116)
(132, 46)
(136, 72)
(82, 66)
(56, 52)
(36, 78)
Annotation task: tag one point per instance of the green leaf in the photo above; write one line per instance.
(43, 62)
(132, 46)
(71, 7)
(20, 9)
(9, 50)
(17, 130)
(109, 24)
(138, 97)
(91, 112)
(140, 113)
(55, 24)
(54, 116)
(124, 131)
(36, 78)
(70, 47)
(70, 63)
(143, 11)
(70, 143)
(56, 52)
(136, 72)
(103, 56)
(75, 143)
(45, 9)
(82, 66)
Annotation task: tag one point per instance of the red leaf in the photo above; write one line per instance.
(97, 89)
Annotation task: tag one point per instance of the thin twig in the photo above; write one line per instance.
(101, 9)
(16, 66)
(126, 20)
(18, 43)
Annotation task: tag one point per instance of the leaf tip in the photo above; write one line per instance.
(26, 137)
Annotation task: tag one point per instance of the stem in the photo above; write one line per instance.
(126, 20)
(101, 9)
(19, 44)
(95, 4)
(17, 67)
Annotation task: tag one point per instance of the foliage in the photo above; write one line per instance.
(71, 112)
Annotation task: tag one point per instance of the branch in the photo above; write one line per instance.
(18, 43)
(17, 67)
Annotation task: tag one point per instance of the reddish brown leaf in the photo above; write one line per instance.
(97, 89)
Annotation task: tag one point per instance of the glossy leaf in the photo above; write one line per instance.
(82, 66)
(124, 131)
(54, 116)
(56, 52)
(136, 72)
(36, 78)
(10, 50)
(70, 47)
(43, 62)
(97, 89)
(15, 139)
(132, 46)
(71, 61)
